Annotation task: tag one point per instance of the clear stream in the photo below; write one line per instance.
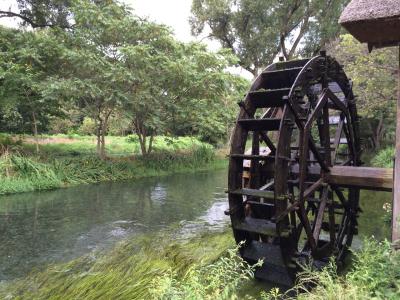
(40, 228)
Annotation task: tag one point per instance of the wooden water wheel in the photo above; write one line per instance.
(288, 199)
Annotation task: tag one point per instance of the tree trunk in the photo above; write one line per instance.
(35, 131)
(142, 141)
(103, 139)
(101, 135)
(150, 144)
(98, 136)
(142, 134)
(377, 133)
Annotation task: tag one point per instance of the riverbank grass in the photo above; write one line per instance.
(70, 163)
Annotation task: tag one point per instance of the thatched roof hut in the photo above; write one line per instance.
(376, 22)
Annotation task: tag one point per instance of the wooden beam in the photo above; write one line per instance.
(396, 189)
(361, 177)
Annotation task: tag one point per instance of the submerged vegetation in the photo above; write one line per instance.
(157, 268)
(75, 162)
(203, 267)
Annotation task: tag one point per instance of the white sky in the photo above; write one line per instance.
(174, 13)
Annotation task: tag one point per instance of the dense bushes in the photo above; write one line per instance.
(384, 158)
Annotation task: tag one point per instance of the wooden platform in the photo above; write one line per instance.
(363, 177)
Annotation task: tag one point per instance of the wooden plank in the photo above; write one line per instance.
(254, 193)
(320, 215)
(260, 124)
(296, 63)
(268, 98)
(252, 157)
(361, 177)
(279, 79)
(396, 190)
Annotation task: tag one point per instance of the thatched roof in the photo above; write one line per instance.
(359, 10)
(376, 22)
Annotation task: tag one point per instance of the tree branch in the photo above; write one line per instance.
(10, 14)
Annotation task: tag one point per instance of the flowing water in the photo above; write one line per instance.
(40, 228)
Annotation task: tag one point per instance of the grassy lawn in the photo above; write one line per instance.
(116, 146)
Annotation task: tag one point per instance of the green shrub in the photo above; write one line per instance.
(88, 127)
(60, 125)
(384, 158)
(132, 138)
(375, 274)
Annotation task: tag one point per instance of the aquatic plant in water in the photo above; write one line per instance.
(143, 268)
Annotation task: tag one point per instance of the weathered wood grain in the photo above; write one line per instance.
(361, 177)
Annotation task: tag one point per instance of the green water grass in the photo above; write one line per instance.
(157, 267)
(204, 267)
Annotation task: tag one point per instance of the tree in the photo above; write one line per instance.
(112, 64)
(373, 75)
(258, 30)
(178, 88)
(27, 59)
(207, 101)
(91, 73)
(41, 13)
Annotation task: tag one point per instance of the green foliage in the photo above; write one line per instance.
(41, 13)
(22, 174)
(375, 274)
(60, 125)
(374, 86)
(384, 158)
(257, 31)
(112, 71)
(26, 60)
(88, 127)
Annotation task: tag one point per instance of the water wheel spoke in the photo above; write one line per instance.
(320, 216)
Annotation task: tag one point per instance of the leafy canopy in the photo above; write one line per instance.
(258, 30)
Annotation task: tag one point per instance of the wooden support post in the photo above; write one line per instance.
(396, 181)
